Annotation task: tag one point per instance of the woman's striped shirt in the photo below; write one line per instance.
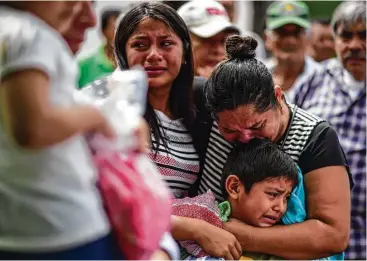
(179, 162)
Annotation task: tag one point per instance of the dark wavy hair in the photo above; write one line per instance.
(181, 94)
(240, 80)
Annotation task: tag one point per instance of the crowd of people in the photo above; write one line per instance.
(279, 141)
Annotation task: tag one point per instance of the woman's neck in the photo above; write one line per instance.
(159, 100)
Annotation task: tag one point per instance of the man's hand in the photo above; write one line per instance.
(218, 243)
(160, 255)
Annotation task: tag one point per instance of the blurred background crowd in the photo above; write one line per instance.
(247, 15)
(313, 52)
(294, 41)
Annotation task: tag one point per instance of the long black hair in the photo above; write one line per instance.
(181, 95)
(240, 79)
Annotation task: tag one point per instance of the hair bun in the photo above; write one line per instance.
(240, 47)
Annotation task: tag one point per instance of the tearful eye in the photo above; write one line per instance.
(138, 45)
(259, 127)
(166, 43)
(229, 131)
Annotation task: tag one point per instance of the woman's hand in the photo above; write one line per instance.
(217, 242)
(237, 228)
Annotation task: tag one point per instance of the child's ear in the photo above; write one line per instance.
(233, 185)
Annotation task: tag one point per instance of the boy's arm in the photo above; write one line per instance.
(325, 233)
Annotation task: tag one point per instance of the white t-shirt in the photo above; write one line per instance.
(311, 66)
(352, 86)
(48, 198)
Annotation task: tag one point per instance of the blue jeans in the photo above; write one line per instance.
(102, 249)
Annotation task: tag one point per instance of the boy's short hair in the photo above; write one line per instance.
(256, 161)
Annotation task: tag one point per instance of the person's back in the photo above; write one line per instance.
(48, 196)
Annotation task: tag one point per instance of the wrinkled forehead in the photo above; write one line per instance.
(352, 26)
(153, 27)
(242, 117)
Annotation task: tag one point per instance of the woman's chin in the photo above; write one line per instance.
(156, 83)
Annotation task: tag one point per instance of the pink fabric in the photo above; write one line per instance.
(137, 202)
(201, 207)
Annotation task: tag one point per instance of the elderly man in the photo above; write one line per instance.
(285, 37)
(75, 37)
(209, 25)
(338, 94)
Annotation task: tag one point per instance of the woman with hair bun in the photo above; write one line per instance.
(241, 98)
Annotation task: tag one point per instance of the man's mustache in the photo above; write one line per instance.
(290, 49)
(355, 55)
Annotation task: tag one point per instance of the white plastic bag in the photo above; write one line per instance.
(137, 200)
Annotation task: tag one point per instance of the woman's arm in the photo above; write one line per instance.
(215, 241)
(324, 233)
(33, 122)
